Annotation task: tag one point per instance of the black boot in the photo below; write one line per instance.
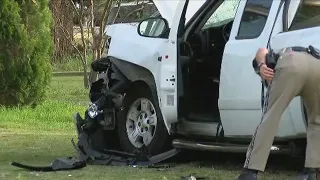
(310, 174)
(248, 174)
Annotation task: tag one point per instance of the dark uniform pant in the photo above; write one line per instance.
(296, 74)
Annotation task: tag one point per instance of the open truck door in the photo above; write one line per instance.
(240, 87)
(177, 13)
(167, 74)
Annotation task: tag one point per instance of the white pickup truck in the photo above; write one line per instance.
(190, 75)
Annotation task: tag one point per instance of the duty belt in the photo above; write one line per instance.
(310, 50)
(272, 58)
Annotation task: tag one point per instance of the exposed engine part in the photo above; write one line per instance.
(107, 104)
(108, 121)
(106, 94)
(101, 65)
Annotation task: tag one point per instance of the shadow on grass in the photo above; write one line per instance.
(231, 161)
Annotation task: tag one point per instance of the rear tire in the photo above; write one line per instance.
(145, 127)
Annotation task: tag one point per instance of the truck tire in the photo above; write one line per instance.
(140, 123)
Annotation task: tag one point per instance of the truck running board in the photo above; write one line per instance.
(222, 147)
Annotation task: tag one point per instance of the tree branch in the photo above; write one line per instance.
(106, 12)
(75, 8)
(70, 40)
(136, 10)
(81, 28)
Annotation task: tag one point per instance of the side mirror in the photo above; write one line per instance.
(153, 27)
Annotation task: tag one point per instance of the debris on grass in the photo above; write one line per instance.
(192, 177)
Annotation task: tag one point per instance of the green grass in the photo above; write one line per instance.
(66, 96)
(36, 136)
(68, 89)
(41, 149)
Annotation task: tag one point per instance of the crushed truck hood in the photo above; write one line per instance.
(167, 8)
(126, 44)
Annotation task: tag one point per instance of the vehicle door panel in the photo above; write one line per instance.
(167, 84)
(240, 87)
(167, 81)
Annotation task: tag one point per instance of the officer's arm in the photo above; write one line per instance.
(259, 59)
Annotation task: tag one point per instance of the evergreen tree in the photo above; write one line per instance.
(25, 51)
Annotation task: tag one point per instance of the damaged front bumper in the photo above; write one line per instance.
(106, 96)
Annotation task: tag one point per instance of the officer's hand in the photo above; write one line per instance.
(266, 73)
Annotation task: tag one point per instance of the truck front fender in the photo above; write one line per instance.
(136, 73)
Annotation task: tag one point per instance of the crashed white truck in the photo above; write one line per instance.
(185, 79)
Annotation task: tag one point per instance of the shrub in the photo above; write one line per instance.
(25, 51)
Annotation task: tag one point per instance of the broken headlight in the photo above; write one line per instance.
(93, 111)
(96, 107)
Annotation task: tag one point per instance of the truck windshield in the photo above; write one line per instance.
(224, 14)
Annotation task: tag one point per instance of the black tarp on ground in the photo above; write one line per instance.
(88, 155)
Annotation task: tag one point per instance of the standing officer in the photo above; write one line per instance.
(297, 73)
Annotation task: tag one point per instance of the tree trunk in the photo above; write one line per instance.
(93, 75)
(61, 12)
(85, 77)
(84, 60)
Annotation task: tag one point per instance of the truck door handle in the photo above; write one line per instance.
(173, 79)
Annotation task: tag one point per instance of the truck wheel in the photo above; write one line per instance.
(140, 123)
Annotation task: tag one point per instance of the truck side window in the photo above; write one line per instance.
(307, 16)
(254, 18)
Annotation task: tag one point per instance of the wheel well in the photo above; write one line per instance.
(139, 84)
(138, 75)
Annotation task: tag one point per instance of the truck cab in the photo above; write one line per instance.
(191, 78)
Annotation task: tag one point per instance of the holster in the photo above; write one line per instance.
(314, 52)
(271, 59)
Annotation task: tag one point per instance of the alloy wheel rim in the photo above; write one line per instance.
(141, 122)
